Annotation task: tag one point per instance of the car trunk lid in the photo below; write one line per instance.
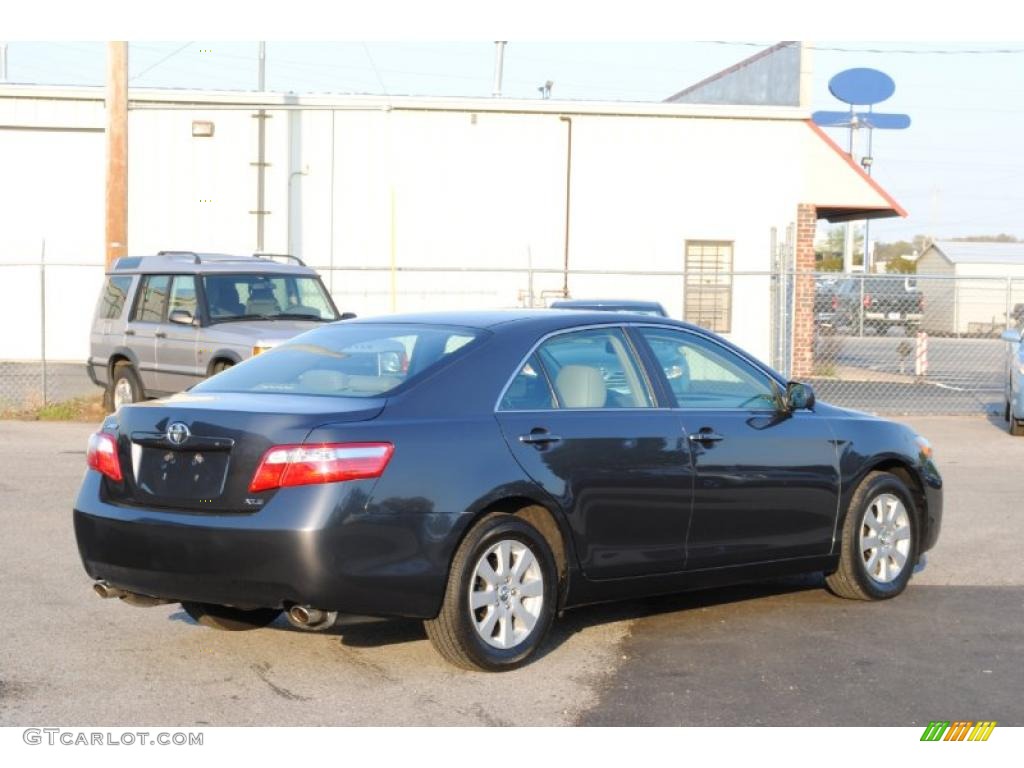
(199, 452)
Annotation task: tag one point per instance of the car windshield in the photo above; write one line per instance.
(344, 360)
(255, 296)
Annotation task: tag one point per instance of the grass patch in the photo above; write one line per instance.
(89, 408)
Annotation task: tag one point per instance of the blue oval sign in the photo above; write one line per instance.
(862, 86)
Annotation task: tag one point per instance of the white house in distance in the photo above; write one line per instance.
(988, 284)
(410, 203)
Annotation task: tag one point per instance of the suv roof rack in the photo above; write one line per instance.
(193, 254)
(264, 255)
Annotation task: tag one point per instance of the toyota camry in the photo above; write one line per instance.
(485, 471)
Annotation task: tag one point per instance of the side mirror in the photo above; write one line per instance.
(348, 316)
(182, 317)
(799, 396)
(1010, 335)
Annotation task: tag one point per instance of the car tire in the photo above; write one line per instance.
(881, 513)
(502, 558)
(1006, 411)
(221, 365)
(1015, 427)
(230, 619)
(125, 387)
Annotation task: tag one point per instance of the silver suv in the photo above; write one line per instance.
(165, 322)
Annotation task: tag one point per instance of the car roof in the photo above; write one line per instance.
(591, 303)
(191, 262)
(548, 319)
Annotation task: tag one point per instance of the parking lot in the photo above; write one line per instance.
(784, 653)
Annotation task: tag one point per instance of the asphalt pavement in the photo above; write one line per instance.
(785, 652)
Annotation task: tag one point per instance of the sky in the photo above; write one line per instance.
(958, 170)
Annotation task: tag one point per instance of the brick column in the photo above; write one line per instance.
(803, 293)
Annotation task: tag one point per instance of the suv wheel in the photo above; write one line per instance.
(500, 599)
(124, 388)
(879, 544)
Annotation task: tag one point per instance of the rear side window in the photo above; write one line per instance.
(149, 308)
(585, 369)
(114, 294)
(183, 295)
(346, 360)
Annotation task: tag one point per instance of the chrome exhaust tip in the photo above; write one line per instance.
(106, 591)
(307, 617)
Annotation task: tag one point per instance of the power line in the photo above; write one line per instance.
(170, 55)
(910, 51)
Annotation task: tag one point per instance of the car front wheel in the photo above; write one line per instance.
(500, 599)
(879, 544)
(1015, 427)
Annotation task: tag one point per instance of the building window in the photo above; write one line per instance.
(707, 290)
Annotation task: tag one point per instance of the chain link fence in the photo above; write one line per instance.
(914, 343)
(889, 344)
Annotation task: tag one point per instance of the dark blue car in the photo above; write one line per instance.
(483, 471)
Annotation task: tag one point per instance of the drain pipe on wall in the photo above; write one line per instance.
(568, 200)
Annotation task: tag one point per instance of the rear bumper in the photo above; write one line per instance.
(313, 545)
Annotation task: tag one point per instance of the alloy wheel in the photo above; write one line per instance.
(123, 394)
(885, 538)
(506, 594)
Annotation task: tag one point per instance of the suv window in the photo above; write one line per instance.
(702, 374)
(254, 295)
(149, 307)
(585, 369)
(183, 295)
(345, 360)
(114, 294)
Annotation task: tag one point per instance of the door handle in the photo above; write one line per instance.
(161, 334)
(129, 332)
(706, 435)
(539, 438)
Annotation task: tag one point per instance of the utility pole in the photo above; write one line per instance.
(261, 158)
(499, 65)
(117, 152)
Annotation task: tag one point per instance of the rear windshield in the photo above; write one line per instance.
(346, 359)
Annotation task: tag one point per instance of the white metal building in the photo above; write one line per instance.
(384, 193)
(983, 293)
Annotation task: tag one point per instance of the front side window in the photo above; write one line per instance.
(257, 296)
(345, 360)
(702, 374)
(707, 297)
(583, 369)
(149, 308)
(113, 298)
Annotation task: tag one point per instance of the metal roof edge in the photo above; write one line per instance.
(156, 98)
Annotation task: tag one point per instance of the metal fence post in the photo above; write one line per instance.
(42, 313)
(860, 311)
(1009, 300)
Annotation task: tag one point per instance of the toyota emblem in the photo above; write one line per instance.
(177, 433)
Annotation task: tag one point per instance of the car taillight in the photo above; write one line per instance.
(102, 456)
(287, 465)
(867, 300)
(835, 302)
